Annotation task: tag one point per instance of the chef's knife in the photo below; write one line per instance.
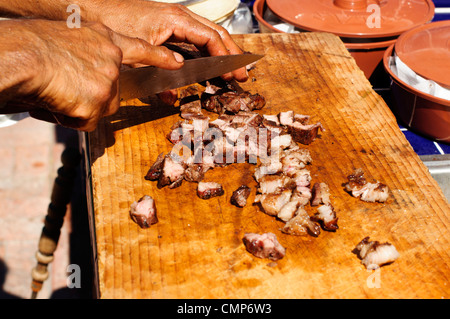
(145, 81)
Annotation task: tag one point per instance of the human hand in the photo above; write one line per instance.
(158, 23)
(73, 73)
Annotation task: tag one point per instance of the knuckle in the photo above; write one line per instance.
(176, 10)
(82, 113)
(215, 35)
(222, 32)
(114, 51)
(112, 108)
(114, 73)
(111, 73)
(103, 93)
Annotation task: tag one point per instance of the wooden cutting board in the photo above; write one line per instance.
(196, 250)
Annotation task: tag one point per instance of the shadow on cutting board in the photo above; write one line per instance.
(127, 116)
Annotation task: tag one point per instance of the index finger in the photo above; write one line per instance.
(215, 38)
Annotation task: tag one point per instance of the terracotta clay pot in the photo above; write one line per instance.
(366, 46)
(419, 111)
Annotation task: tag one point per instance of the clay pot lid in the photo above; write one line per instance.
(354, 18)
(426, 50)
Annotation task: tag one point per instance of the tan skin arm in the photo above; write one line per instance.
(71, 73)
(44, 58)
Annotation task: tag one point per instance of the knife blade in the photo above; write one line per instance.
(145, 81)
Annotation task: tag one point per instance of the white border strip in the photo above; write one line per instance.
(439, 148)
(442, 10)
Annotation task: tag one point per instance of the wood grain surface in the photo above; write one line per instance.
(196, 250)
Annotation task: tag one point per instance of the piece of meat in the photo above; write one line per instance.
(301, 118)
(222, 96)
(356, 180)
(248, 118)
(264, 170)
(374, 192)
(326, 216)
(280, 142)
(143, 212)
(187, 50)
(194, 173)
(264, 246)
(269, 166)
(155, 170)
(287, 212)
(373, 254)
(304, 134)
(286, 118)
(211, 102)
(272, 124)
(301, 225)
(301, 177)
(190, 107)
(181, 131)
(275, 183)
(172, 172)
(358, 186)
(302, 194)
(295, 159)
(240, 196)
(206, 190)
(320, 194)
(222, 122)
(272, 204)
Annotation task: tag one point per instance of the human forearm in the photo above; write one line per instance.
(20, 62)
(54, 9)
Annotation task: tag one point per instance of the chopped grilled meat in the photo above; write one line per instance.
(143, 212)
(247, 118)
(294, 159)
(281, 142)
(211, 102)
(264, 246)
(301, 177)
(370, 192)
(222, 122)
(286, 118)
(221, 98)
(187, 50)
(271, 204)
(191, 109)
(272, 124)
(194, 173)
(172, 173)
(320, 194)
(271, 167)
(301, 225)
(302, 194)
(211, 88)
(374, 254)
(303, 119)
(275, 183)
(326, 215)
(304, 134)
(155, 170)
(168, 97)
(206, 190)
(356, 179)
(289, 209)
(235, 102)
(240, 195)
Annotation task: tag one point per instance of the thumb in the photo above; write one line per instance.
(138, 51)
